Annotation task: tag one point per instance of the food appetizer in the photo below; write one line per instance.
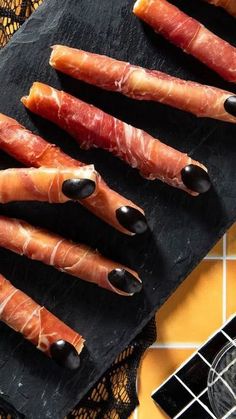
(47, 184)
(92, 127)
(49, 334)
(228, 5)
(190, 35)
(72, 258)
(143, 84)
(105, 203)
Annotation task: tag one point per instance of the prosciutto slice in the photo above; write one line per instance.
(75, 259)
(33, 321)
(43, 184)
(92, 127)
(34, 151)
(228, 5)
(141, 83)
(190, 35)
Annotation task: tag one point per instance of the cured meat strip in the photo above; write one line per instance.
(75, 259)
(92, 127)
(49, 334)
(228, 5)
(190, 35)
(34, 151)
(47, 184)
(143, 84)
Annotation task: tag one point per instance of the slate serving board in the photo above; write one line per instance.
(182, 228)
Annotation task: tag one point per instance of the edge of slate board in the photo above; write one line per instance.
(163, 267)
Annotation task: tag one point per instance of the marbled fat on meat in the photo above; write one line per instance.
(141, 83)
(190, 35)
(43, 184)
(33, 321)
(92, 127)
(33, 151)
(72, 258)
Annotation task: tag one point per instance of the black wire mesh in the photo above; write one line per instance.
(12, 14)
(114, 396)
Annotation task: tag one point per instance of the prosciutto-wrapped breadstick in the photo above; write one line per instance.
(190, 35)
(143, 84)
(92, 127)
(49, 334)
(228, 5)
(34, 151)
(47, 184)
(75, 259)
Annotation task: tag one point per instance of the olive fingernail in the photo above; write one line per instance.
(230, 105)
(195, 178)
(65, 354)
(124, 281)
(78, 188)
(132, 219)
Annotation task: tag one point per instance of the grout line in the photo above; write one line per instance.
(186, 387)
(195, 399)
(219, 257)
(137, 390)
(228, 337)
(175, 345)
(184, 409)
(228, 415)
(136, 413)
(224, 279)
(154, 346)
(213, 257)
(219, 375)
(205, 360)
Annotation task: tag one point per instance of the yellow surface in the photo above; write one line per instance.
(231, 241)
(217, 249)
(198, 307)
(157, 365)
(231, 287)
(183, 317)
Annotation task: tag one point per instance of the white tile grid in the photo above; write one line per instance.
(197, 398)
(135, 414)
(194, 399)
(198, 348)
(194, 345)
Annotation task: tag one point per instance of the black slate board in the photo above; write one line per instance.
(183, 229)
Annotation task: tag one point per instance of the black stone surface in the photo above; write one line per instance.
(182, 228)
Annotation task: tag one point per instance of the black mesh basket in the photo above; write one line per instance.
(12, 14)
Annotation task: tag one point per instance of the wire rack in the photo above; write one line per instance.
(13, 14)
